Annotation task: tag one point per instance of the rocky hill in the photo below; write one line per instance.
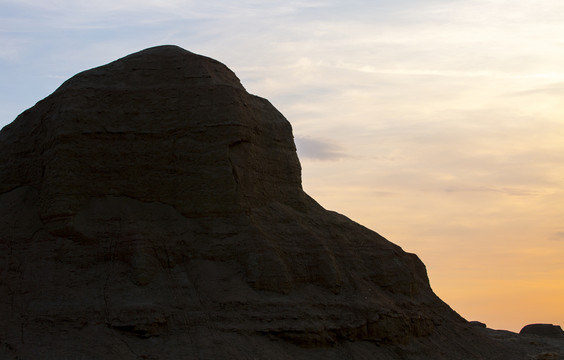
(151, 208)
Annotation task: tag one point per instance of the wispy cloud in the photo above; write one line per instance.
(506, 191)
(319, 149)
(551, 89)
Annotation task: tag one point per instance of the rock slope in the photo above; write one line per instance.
(152, 209)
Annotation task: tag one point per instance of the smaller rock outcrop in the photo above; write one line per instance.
(542, 330)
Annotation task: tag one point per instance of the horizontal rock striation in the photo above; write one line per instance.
(151, 208)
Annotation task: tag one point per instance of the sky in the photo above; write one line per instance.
(436, 123)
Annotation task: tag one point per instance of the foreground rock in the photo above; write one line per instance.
(537, 347)
(153, 209)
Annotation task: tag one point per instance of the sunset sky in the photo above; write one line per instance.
(437, 123)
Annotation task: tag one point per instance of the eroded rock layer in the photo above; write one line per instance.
(152, 209)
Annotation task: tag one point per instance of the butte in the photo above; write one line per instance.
(151, 208)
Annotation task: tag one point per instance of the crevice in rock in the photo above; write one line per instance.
(132, 330)
(234, 150)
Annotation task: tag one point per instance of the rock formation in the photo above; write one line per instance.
(542, 330)
(152, 209)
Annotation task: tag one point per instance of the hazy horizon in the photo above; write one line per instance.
(436, 123)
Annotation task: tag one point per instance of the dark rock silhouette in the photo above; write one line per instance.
(152, 209)
(542, 330)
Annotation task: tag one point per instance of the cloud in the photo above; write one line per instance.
(319, 149)
(554, 89)
(558, 236)
(505, 191)
(67, 14)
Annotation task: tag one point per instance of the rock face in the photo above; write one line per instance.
(152, 209)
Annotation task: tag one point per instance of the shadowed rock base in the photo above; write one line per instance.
(152, 209)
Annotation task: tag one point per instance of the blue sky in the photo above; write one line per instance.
(436, 123)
